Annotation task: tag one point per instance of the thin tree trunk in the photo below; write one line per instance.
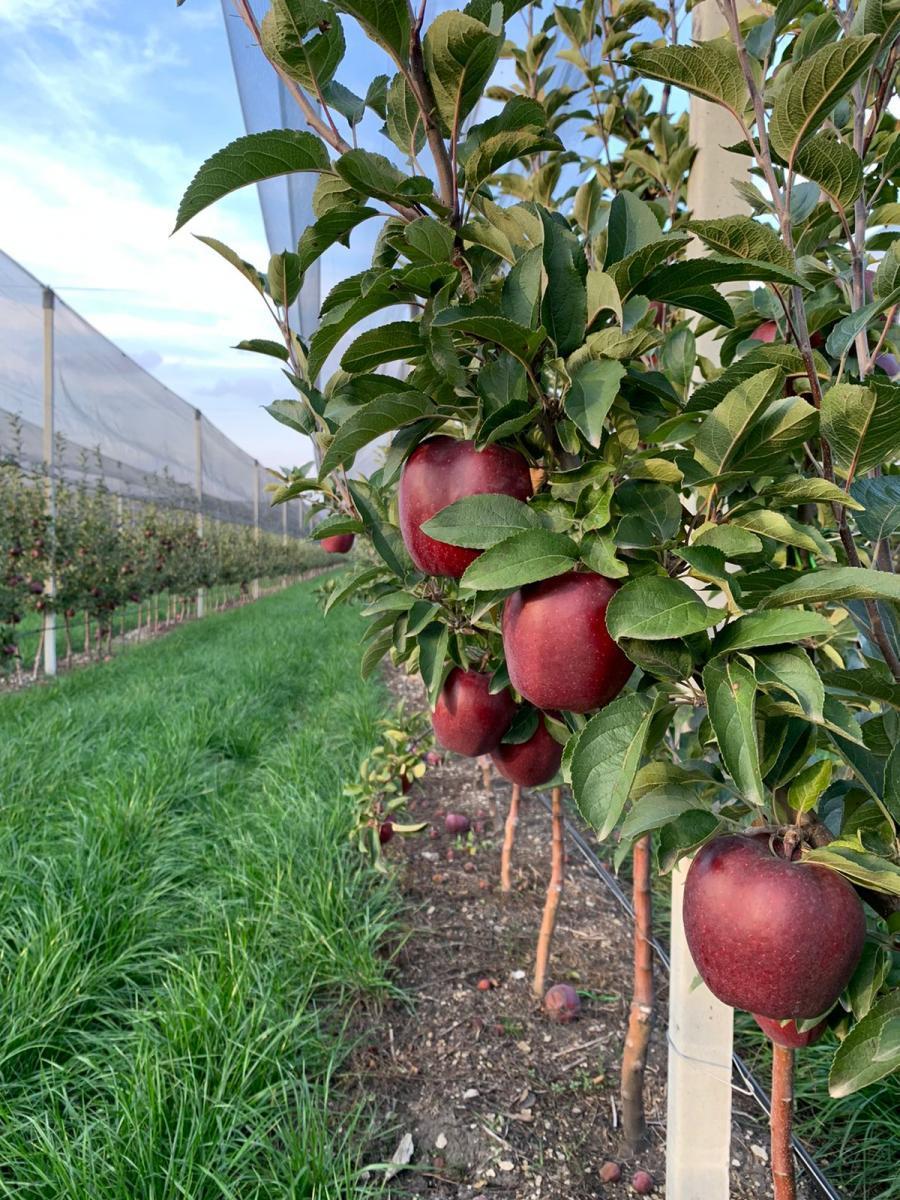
(509, 839)
(782, 1116)
(640, 1021)
(37, 655)
(67, 622)
(87, 634)
(554, 894)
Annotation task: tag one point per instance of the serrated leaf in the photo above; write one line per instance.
(658, 807)
(251, 159)
(383, 414)
(742, 237)
(718, 439)
(505, 146)
(880, 498)
(842, 335)
(834, 166)
(815, 86)
(862, 425)
(798, 490)
(792, 671)
(806, 789)
(387, 22)
(632, 225)
(305, 39)
(785, 529)
(481, 521)
(651, 514)
(848, 857)
(405, 125)
(399, 340)
(350, 583)
(733, 541)
(284, 277)
(836, 583)
(870, 1051)
(770, 629)
(372, 174)
(731, 703)
(246, 269)
(711, 71)
(433, 642)
(630, 272)
(682, 277)
(595, 385)
(655, 608)
(460, 55)
(263, 346)
(564, 307)
(605, 760)
(484, 324)
(522, 558)
(335, 226)
(377, 648)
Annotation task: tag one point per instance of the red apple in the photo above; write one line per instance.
(529, 763)
(767, 332)
(338, 543)
(562, 1003)
(440, 471)
(774, 936)
(888, 364)
(643, 1183)
(789, 1035)
(385, 832)
(467, 718)
(456, 823)
(557, 648)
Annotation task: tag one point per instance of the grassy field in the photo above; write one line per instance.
(184, 928)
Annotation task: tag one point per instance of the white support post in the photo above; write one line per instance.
(284, 523)
(255, 586)
(698, 1126)
(49, 618)
(198, 487)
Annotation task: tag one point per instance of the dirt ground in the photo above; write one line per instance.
(498, 1101)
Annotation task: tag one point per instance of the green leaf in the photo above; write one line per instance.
(870, 974)
(605, 760)
(651, 514)
(731, 702)
(385, 537)
(285, 276)
(656, 608)
(805, 789)
(334, 226)
(743, 237)
(246, 269)
(717, 440)
(602, 296)
(460, 56)
(887, 277)
(377, 648)
(834, 166)
(285, 39)
(383, 414)
(862, 425)
(523, 558)
(405, 126)
(263, 346)
(564, 308)
(433, 642)
(892, 784)
(792, 671)
(658, 807)
(771, 629)
(481, 521)
(251, 159)
(797, 490)
(351, 107)
(292, 413)
(733, 541)
(388, 343)
(630, 272)
(880, 498)
(374, 175)
(711, 71)
(599, 554)
(632, 225)
(680, 277)
(350, 583)
(848, 857)
(501, 148)
(785, 529)
(844, 332)
(479, 320)
(595, 385)
(867, 683)
(814, 88)
(386, 21)
(670, 659)
(870, 1050)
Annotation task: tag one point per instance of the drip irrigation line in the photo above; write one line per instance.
(753, 1087)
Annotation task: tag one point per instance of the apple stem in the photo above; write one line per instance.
(554, 893)
(509, 838)
(782, 1113)
(640, 1021)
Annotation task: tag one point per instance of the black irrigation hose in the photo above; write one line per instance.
(754, 1087)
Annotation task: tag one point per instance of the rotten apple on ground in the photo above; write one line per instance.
(558, 650)
(562, 1003)
(775, 936)
(338, 543)
(530, 763)
(440, 471)
(468, 718)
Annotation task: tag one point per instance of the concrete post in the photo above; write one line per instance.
(198, 488)
(49, 454)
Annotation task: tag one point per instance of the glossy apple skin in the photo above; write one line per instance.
(467, 718)
(777, 938)
(789, 1035)
(338, 543)
(558, 651)
(530, 763)
(440, 471)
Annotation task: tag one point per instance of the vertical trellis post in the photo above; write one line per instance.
(255, 588)
(698, 1129)
(49, 616)
(198, 488)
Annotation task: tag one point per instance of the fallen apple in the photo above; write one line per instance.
(562, 1003)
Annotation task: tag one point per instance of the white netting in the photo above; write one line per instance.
(114, 423)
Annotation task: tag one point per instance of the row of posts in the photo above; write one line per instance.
(49, 456)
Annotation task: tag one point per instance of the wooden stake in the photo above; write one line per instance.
(554, 894)
(780, 1124)
(640, 1021)
(509, 839)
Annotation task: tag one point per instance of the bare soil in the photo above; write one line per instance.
(497, 1100)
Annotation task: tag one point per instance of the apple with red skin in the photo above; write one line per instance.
(789, 1035)
(456, 824)
(562, 1003)
(338, 543)
(440, 471)
(775, 936)
(558, 650)
(767, 332)
(531, 763)
(385, 832)
(468, 718)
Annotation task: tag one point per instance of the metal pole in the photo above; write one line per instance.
(198, 487)
(49, 617)
(255, 590)
(698, 1129)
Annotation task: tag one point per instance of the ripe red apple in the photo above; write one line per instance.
(562, 1003)
(529, 763)
(776, 937)
(440, 471)
(467, 718)
(557, 648)
(456, 823)
(767, 332)
(338, 543)
(643, 1183)
(789, 1035)
(385, 832)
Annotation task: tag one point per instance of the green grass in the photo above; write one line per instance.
(184, 927)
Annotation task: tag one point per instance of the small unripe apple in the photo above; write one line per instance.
(338, 543)
(562, 1003)
(456, 823)
(440, 471)
(385, 832)
(643, 1183)
(768, 934)
(468, 718)
(530, 763)
(558, 650)
(788, 1034)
